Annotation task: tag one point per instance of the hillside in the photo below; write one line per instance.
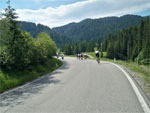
(35, 29)
(97, 28)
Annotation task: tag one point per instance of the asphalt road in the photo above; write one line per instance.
(77, 87)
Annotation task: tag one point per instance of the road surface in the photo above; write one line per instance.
(79, 86)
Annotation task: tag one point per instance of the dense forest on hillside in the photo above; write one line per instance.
(79, 47)
(34, 29)
(86, 30)
(96, 29)
(132, 43)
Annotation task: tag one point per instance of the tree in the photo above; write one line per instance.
(10, 37)
(130, 43)
(91, 45)
(68, 50)
(110, 50)
(76, 49)
(83, 46)
(98, 44)
(45, 48)
(14, 43)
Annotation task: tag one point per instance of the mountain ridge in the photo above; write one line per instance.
(96, 29)
(35, 29)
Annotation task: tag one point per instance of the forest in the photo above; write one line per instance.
(23, 44)
(96, 29)
(132, 43)
(34, 30)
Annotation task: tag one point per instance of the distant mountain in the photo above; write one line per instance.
(35, 29)
(97, 28)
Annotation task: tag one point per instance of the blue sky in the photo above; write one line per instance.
(36, 4)
(143, 13)
(55, 13)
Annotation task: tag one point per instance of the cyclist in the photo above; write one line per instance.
(62, 56)
(97, 56)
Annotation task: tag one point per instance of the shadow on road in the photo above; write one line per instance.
(64, 66)
(19, 95)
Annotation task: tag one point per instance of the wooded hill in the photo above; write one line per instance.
(132, 43)
(89, 29)
(34, 30)
(97, 28)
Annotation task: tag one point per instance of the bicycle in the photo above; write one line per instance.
(98, 60)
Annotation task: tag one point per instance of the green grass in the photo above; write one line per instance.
(70, 55)
(141, 70)
(93, 54)
(11, 79)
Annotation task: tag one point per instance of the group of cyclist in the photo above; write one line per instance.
(85, 56)
(60, 55)
(81, 56)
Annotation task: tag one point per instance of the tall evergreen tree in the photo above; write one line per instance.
(130, 43)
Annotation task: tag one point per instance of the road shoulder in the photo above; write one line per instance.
(139, 83)
(142, 97)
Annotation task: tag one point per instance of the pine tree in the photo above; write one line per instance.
(14, 42)
(110, 50)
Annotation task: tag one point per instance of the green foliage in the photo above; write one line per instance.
(79, 47)
(15, 46)
(92, 54)
(34, 30)
(11, 79)
(130, 44)
(23, 58)
(18, 49)
(110, 51)
(10, 37)
(44, 48)
(68, 50)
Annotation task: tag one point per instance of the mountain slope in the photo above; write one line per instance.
(97, 28)
(35, 29)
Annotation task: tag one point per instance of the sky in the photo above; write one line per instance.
(54, 13)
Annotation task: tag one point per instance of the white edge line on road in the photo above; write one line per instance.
(137, 92)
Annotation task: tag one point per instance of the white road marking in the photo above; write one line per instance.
(137, 92)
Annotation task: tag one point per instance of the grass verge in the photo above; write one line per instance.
(12, 79)
(93, 54)
(141, 71)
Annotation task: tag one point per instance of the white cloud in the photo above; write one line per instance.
(81, 10)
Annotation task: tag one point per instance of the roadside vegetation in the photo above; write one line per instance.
(23, 58)
(142, 71)
(11, 79)
(130, 44)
